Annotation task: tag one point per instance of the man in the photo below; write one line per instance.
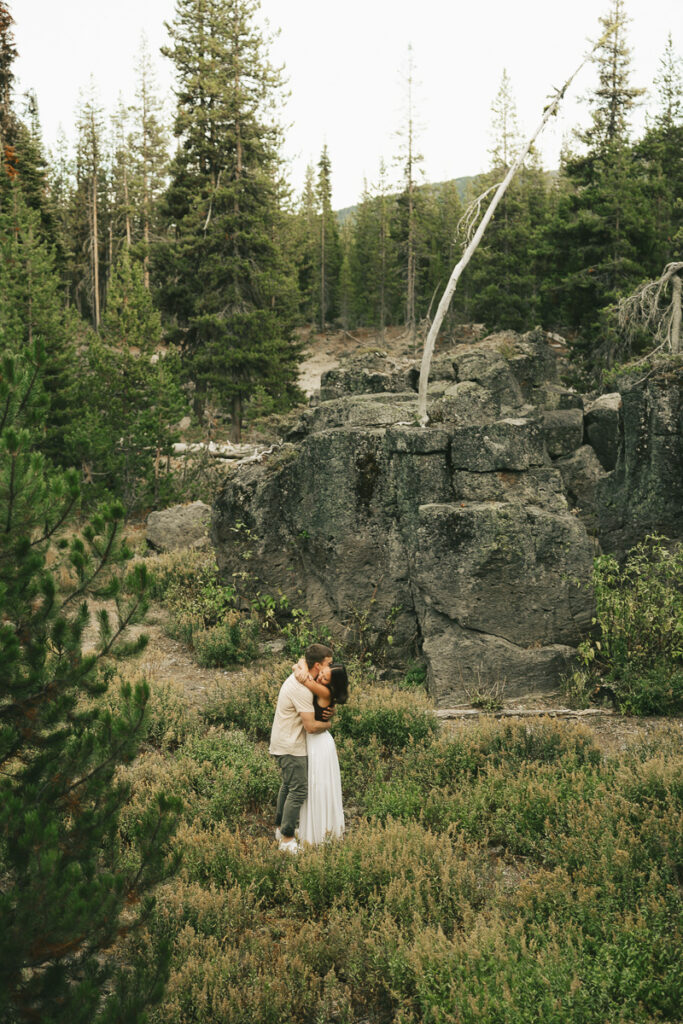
(294, 717)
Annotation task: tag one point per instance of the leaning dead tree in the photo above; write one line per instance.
(656, 306)
(442, 309)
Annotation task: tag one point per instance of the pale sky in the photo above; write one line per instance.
(343, 62)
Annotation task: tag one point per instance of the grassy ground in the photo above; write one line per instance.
(498, 872)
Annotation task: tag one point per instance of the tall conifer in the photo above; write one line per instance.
(225, 282)
(602, 232)
(69, 890)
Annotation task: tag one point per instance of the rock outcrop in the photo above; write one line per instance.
(644, 492)
(182, 526)
(472, 539)
(458, 537)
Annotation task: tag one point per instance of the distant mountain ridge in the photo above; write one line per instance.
(348, 211)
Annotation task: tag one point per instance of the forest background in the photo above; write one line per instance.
(186, 238)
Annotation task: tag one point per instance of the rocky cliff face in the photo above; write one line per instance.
(459, 536)
(473, 538)
(643, 493)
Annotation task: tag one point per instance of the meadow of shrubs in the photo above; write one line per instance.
(493, 872)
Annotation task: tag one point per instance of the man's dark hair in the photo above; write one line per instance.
(317, 653)
(339, 684)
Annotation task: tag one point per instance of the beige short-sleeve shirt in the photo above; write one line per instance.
(288, 735)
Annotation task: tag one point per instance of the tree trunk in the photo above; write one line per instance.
(322, 270)
(236, 426)
(95, 257)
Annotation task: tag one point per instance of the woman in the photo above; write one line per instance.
(322, 813)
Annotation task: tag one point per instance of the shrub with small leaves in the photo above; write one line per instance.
(637, 655)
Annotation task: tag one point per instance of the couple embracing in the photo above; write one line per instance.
(310, 797)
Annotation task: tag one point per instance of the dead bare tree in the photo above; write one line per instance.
(442, 309)
(648, 307)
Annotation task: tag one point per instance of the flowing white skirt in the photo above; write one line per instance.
(322, 814)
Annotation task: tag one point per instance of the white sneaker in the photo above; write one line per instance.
(289, 845)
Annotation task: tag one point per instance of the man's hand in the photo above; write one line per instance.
(327, 714)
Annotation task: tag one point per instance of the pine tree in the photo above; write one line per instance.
(328, 252)
(504, 127)
(659, 151)
(306, 247)
(69, 890)
(89, 221)
(375, 258)
(122, 204)
(602, 232)
(8, 54)
(224, 278)
(345, 277)
(128, 398)
(149, 143)
(409, 215)
(441, 213)
(32, 310)
(503, 277)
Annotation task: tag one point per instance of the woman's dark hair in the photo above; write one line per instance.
(339, 684)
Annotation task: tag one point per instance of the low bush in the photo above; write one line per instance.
(232, 642)
(247, 703)
(636, 656)
(394, 718)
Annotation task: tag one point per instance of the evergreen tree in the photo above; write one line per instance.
(328, 251)
(440, 216)
(149, 143)
(224, 279)
(306, 247)
(89, 221)
(8, 54)
(375, 258)
(660, 153)
(22, 160)
(503, 277)
(602, 231)
(69, 889)
(128, 398)
(345, 277)
(122, 205)
(409, 216)
(32, 310)
(505, 134)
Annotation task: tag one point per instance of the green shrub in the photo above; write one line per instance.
(233, 642)
(299, 632)
(189, 585)
(234, 776)
(637, 655)
(247, 703)
(395, 718)
(657, 690)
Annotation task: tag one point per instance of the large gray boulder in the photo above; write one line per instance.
(491, 370)
(181, 526)
(563, 431)
(604, 428)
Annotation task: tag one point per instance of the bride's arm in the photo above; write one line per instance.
(303, 676)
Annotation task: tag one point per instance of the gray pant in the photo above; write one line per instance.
(293, 792)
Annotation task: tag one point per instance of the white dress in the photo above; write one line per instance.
(322, 814)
